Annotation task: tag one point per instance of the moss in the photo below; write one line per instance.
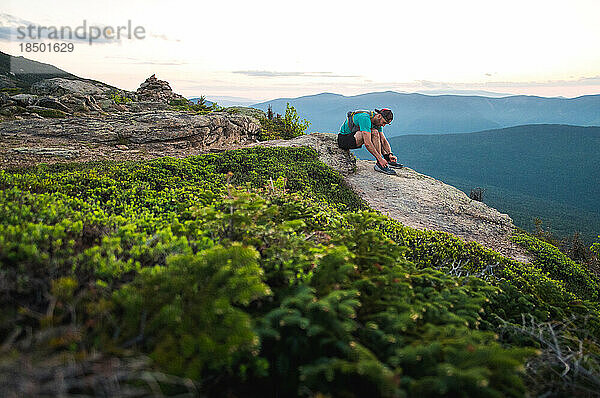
(13, 90)
(12, 110)
(47, 112)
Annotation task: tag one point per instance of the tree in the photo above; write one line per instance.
(477, 194)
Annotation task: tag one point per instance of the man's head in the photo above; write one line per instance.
(383, 116)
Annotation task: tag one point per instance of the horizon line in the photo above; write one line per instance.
(500, 96)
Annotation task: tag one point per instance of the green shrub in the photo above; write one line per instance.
(596, 248)
(189, 311)
(286, 127)
(200, 107)
(560, 267)
(119, 99)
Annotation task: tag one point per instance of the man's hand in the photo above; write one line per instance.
(393, 158)
(366, 135)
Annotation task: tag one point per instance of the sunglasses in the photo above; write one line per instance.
(383, 119)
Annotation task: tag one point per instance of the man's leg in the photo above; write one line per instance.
(385, 145)
(386, 151)
(376, 139)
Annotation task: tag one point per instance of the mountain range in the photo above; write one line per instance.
(440, 114)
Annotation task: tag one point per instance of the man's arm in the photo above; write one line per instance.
(371, 148)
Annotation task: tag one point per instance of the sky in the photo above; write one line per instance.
(264, 49)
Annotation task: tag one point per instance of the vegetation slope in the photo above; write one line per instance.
(253, 276)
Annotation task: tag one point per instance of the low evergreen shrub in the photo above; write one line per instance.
(253, 277)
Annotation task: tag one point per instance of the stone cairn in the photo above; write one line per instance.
(157, 91)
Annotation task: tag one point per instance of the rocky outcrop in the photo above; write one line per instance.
(58, 87)
(4, 99)
(52, 103)
(156, 90)
(247, 111)
(45, 86)
(67, 96)
(7, 82)
(122, 136)
(67, 153)
(71, 96)
(422, 202)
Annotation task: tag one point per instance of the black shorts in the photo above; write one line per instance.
(347, 141)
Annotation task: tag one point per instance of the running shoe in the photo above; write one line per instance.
(395, 165)
(385, 170)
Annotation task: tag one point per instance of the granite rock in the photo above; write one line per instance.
(24, 99)
(58, 86)
(156, 90)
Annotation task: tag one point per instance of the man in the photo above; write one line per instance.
(365, 127)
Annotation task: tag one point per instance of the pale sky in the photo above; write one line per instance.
(266, 49)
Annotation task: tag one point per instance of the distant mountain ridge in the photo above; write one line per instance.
(439, 114)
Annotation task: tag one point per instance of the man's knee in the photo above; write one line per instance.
(375, 135)
(358, 137)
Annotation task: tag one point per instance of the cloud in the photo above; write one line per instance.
(265, 73)
(593, 78)
(11, 20)
(5, 33)
(9, 24)
(430, 84)
(164, 37)
(160, 63)
(582, 81)
(140, 61)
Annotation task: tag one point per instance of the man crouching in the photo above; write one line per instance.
(366, 127)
